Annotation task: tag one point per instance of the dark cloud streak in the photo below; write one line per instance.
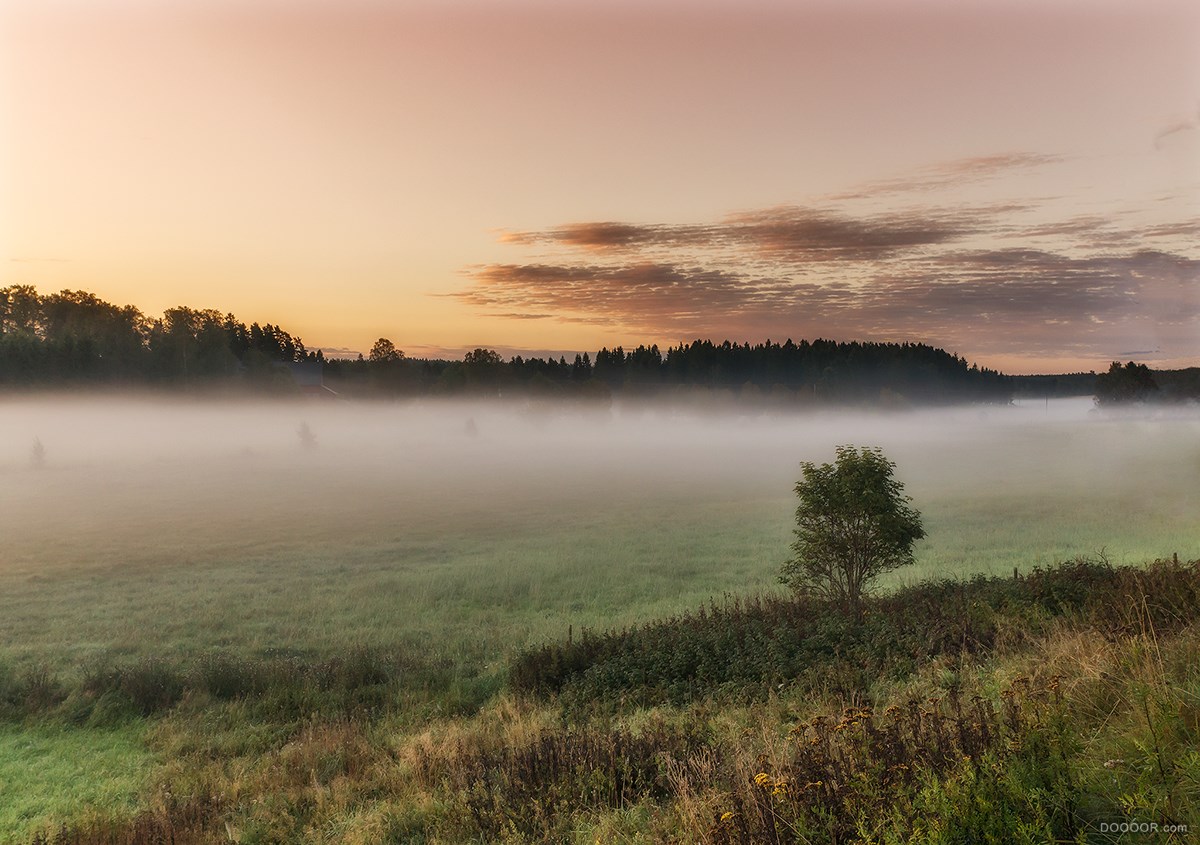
(790, 233)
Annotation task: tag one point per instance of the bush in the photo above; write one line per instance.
(746, 648)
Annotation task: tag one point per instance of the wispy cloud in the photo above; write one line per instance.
(616, 237)
(953, 173)
(990, 290)
(787, 233)
(1184, 229)
(1189, 125)
(456, 353)
(639, 295)
(799, 234)
(338, 352)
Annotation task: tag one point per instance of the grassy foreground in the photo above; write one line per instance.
(1056, 706)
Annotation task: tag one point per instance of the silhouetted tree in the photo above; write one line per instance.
(385, 352)
(37, 454)
(853, 523)
(20, 309)
(1122, 385)
(582, 368)
(483, 369)
(482, 358)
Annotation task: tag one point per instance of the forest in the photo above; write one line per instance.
(74, 338)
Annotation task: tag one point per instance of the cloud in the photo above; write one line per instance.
(638, 295)
(994, 279)
(1184, 229)
(800, 234)
(611, 236)
(993, 299)
(1188, 125)
(788, 233)
(953, 173)
(1102, 234)
(338, 351)
(456, 353)
(992, 165)
(1020, 284)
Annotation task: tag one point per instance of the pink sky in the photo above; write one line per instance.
(1017, 182)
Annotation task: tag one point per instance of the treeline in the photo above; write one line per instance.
(825, 368)
(1137, 384)
(1120, 385)
(1179, 385)
(764, 373)
(74, 337)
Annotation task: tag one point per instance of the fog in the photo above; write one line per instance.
(142, 482)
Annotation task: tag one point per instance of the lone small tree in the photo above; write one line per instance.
(853, 523)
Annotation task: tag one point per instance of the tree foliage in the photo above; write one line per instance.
(384, 351)
(74, 337)
(853, 523)
(820, 370)
(1130, 383)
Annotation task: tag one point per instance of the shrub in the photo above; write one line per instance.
(745, 648)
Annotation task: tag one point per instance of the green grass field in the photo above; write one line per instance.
(51, 774)
(402, 533)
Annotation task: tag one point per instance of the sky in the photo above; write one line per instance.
(1016, 182)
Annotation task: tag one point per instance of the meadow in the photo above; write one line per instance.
(430, 543)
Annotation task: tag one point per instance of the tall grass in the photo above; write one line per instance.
(762, 644)
(1072, 703)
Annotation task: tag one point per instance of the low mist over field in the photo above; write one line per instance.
(147, 482)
